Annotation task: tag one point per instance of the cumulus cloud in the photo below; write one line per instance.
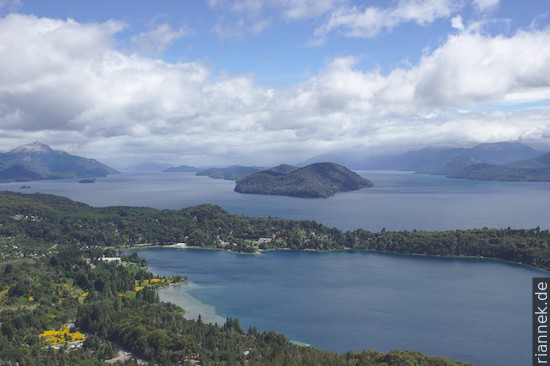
(64, 83)
(473, 68)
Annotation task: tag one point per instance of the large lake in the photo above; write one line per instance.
(399, 201)
(471, 310)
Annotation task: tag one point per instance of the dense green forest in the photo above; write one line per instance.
(53, 221)
(61, 304)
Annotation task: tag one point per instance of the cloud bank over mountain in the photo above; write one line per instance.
(70, 84)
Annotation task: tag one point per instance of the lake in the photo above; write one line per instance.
(399, 201)
(470, 310)
(466, 309)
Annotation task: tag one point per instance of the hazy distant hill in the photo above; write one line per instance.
(148, 166)
(181, 169)
(38, 161)
(532, 170)
(313, 181)
(233, 172)
(437, 160)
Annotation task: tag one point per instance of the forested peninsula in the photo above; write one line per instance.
(49, 219)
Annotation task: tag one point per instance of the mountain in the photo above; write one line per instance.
(148, 166)
(532, 170)
(37, 161)
(233, 172)
(437, 160)
(181, 169)
(313, 181)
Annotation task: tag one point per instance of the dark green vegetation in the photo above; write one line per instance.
(51, 275)
(38, 161)
(233, 172)
(313, 181)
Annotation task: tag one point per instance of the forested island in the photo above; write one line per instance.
(64, 284)
(319, 180)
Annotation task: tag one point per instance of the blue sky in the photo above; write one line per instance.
(265, 82)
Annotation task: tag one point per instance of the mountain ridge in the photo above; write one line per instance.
(37, 161)
(433, 160)
(530, 170)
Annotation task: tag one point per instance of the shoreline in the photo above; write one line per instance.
(192, 306)
(262, 251)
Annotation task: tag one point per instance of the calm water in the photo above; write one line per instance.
(470, 310)
(477, 311)
(399, 201)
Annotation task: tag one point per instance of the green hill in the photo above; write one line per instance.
(313, 181)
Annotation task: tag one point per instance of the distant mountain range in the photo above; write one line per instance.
(313, 181)
(37, 161)
(148, 166)
(509, 161)
(433, 160)
(532, 170)
(181, 169)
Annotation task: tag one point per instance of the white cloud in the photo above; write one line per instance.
(368, 22)
(304, 9)
(238, 18)
(485, 5)
(471, 68)
(9, 5)
(155, 41)
(456, 23)
(65, 84)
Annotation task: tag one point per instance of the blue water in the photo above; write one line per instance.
(399, 201)
(469, 310)
(477, 311)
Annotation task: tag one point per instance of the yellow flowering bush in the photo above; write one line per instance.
(63, 335)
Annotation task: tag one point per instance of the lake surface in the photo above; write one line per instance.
(399, 201)
(469, 310)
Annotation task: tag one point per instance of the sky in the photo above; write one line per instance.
(251, 82)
